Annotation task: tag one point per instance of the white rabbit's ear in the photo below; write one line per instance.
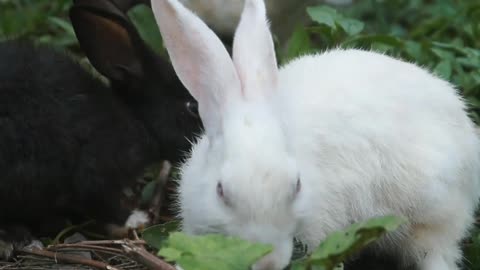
(200, 60)
(254, 52)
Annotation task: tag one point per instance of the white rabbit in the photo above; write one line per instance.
(223, 15)
(327, 140)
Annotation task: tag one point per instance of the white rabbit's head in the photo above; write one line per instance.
(241, 178)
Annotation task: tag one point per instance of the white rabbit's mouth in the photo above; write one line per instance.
(278, 259)
(208, 229)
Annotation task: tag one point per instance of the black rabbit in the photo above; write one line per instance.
(68, 143)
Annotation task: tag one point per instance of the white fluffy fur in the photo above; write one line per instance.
(224, 15)
(368, 135)
(137, 219)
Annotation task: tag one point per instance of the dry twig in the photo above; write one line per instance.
(58, 257)
(146, 258)
(133, 249)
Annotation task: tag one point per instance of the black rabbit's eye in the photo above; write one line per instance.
(192, 108)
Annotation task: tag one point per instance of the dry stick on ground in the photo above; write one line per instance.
(102, 242)
(145, 257)
(134, 248)
(69, 259)
(151, 261)
(86, 247)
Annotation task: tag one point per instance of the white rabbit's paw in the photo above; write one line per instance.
(137, 219)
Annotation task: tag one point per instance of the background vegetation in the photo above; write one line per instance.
(442, 35)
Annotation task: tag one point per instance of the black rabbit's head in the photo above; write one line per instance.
(143, 80)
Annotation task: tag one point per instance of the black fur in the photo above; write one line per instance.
(68, 143)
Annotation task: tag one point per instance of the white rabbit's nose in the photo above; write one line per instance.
(278, 259)
(263, 266)
(270, 262)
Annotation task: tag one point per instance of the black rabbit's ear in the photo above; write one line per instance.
(107, 37)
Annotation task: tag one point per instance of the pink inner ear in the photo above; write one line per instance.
(220, 190)
(200, 60)
(298, 186)
(254, 52)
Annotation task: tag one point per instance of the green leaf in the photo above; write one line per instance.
(148, 191)
(302, 265)
(350, 26)
(298, 44)
(339, 245)
(444, 69)
(443, 54)
(144, 20)
(381, 47)
(323, 15)
(170, 253)
(413, 49)
(471, 62)
(209, 252)
(371, 39)
(63, 24)
(329, 16)
(157, 235)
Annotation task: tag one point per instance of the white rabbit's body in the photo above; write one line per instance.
(369, 143)
(325, 141)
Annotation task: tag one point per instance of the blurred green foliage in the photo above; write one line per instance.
(46, 21)
(442, 35)
(42, 20)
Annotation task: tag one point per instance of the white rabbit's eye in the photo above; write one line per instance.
(220, 190)
(298, 186)
(221, 195)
